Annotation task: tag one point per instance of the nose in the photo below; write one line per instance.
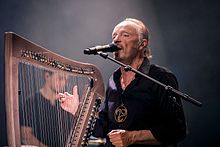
(116, 39)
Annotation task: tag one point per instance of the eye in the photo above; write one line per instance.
(114, 35)
(125, 35)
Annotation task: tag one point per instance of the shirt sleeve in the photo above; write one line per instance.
(170, 126)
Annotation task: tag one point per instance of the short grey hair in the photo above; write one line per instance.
(143, 33)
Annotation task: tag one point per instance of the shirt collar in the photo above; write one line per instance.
(144, 68)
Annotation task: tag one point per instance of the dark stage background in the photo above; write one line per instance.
(184, 38)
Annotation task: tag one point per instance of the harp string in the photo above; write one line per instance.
(31, 84)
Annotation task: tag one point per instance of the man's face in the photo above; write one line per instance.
(57, 82)
(125, 35)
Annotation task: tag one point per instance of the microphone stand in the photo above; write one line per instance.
(166, 87)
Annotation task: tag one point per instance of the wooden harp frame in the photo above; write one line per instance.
(18, 48)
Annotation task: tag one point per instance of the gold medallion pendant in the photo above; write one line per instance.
(120, 114)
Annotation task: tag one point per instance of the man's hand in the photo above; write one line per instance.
(123, 138)
(69, 102)
(120, 138)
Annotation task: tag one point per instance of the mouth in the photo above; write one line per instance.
(119, 47)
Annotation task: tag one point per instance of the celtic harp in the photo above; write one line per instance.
(33, 78)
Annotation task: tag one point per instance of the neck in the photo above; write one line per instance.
(136, 63)
(128, 76)
(48, 94)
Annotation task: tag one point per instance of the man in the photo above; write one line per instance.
(136, 111)
(45, 120)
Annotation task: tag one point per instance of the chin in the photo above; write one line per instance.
(116, 55)
(117, 58)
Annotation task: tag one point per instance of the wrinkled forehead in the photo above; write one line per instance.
(126, 25)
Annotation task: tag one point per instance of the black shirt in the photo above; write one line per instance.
(149, 106)
(50, 123)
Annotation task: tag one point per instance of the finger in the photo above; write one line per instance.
(61, 95)
(115, 139)
(75, 90)
(67, 94)
(122, 131)
(62, 99)
(113, 132)
(114, 135)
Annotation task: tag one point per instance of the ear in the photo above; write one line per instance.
(143, 44)
(46, 75)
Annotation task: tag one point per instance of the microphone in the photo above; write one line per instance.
(104, 48)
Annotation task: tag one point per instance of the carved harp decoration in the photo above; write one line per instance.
(24, 61)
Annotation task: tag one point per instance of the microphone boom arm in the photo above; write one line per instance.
(166, 87)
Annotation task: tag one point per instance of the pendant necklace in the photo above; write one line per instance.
(121, 112)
